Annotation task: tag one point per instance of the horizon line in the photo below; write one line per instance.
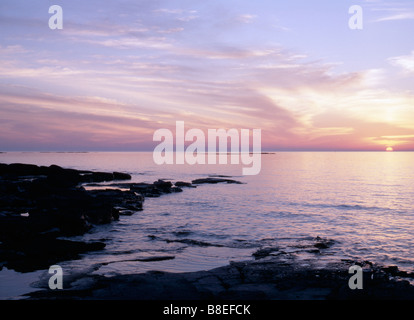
(217, 152)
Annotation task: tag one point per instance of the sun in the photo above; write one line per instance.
(389, 149)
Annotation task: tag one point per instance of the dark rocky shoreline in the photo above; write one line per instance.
(39, 204)
(271, 278)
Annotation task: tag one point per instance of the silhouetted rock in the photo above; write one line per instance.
(322, 243)
(193, 242)
(274, 278)
(38, 204)
(163, 186)
(121, 176)
(155, 189)
(59, 177)
(20, 169)
(43, 251)
(264, 252)
(122, 200)
(152, 259)
(176, 189)
(214, 181)
(53, 204)
(184, 184)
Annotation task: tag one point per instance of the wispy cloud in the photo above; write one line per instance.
(398, 16)
(391, 11)
(404, 62)
(246, 18)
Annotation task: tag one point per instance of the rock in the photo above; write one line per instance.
(20, 169)
(176, 189)
(197, 243)
(264, 252)
(42, 252)
(54, 205)
(126, 212)
(163, 186)
(3, 168)
(146, 189)
(121, 176)
(323, 243)
(102, 176)
(270, 279)
(392, 270)
(152, 259)
(121, 200)
(101, 214)
(59, 177)
(184, 184)
(72, 222)
(155, 189)
(214, 181)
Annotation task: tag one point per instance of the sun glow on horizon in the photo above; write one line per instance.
(389, 149)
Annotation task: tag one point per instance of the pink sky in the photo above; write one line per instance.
(115, 74)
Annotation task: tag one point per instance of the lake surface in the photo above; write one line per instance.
(363, 201)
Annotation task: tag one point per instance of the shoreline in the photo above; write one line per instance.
(271, 278)
(39, 205)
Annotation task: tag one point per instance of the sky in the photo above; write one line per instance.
(120, 70)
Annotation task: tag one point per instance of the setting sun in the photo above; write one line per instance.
(389, 149)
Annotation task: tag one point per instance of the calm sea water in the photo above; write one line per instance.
(362, 201)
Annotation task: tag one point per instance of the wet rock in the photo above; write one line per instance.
(184, 184)
(392, 270)
(264, 252)
(323, 243)
(396, 272)
(20, 169)
(43, 251)
(121, 200)
(152, 259)
(270, 279)
(212, 180)
(102, 176)
(163, 186)
(59, 177)
(126, 212)
(194, 242)
(121, 176)
(54, 205)
(102, 214)
(146, 189)
(176, 189)
(155, 189)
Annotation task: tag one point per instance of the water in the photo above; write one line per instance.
(362, 201)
